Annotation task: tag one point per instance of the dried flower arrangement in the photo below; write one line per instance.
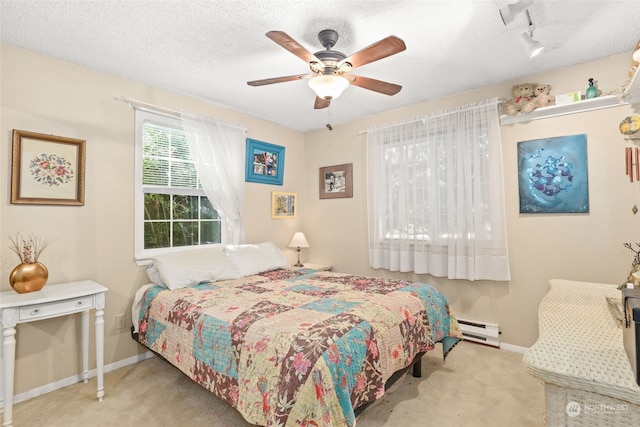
(635, 266)
(636, 254)
(28, 249)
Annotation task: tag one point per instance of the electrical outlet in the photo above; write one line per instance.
(120, 321)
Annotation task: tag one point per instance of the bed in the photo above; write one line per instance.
(288, 346)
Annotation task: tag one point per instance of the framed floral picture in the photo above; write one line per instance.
(283, 205)
(336, 181)
(47, 169)
(264, 162)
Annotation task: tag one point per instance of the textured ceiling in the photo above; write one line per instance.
(210, 49)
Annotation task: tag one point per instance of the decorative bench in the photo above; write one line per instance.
(580, 358)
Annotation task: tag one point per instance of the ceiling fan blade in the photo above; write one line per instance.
(381, 49)
(278, 79)
(321, 103)
(284, 40)
(373, 84)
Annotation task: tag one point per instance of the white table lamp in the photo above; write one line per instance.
(299, 241)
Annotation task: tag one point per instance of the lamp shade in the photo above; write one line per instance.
(328, 86)
(509, 12)
(299, 241)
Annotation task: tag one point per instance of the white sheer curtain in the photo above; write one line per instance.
(219, 152)
(435, 195)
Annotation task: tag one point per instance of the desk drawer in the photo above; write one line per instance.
(44, 311)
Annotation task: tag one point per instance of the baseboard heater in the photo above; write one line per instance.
(485, 333)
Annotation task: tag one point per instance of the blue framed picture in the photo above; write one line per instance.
(553, 176)
(265, 162)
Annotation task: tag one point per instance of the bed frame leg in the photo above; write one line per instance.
(417, 368)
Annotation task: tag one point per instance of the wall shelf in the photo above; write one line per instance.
(632, 97)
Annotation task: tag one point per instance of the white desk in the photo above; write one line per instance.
(52, 301)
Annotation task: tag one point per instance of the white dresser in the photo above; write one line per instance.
(52, 301)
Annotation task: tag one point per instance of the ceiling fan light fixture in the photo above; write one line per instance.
(328, 86)
(509, 12)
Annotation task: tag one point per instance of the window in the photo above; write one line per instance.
(171, 208)
(435, 195)
(414, 164)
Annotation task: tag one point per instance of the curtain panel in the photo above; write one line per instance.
(435, 195)
(218, 149)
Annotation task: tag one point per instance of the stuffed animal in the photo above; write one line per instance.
(543, 99)
(635, 60)
(523, 95)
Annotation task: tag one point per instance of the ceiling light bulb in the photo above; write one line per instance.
(531, 47)
(509, 12)
(328, 86)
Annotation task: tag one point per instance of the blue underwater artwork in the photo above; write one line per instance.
(552, 175)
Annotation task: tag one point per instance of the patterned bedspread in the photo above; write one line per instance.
(296, 347)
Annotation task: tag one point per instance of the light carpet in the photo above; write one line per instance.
(476, 386)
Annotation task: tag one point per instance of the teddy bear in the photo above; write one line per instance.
(523, 95)
(542, 97)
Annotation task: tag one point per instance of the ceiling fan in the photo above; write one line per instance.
(331, 70)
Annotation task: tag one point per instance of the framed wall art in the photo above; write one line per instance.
(264, 163)
(336, 181)
(283, 205)
(553, 176)
(47, 169)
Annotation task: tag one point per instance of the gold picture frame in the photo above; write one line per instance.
(284, 205)
(47, 169)
(336, 181)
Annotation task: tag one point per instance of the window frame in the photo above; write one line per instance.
(143, 256)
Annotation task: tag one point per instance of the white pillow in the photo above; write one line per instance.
(254, 259)
(192, 266)
(154, 275)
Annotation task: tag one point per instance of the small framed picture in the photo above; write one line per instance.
(283, 205)
(336, 181)
(264, 163)
(47, 169)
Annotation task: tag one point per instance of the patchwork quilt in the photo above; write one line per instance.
(296, 347)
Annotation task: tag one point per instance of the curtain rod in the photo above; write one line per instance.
(437, 114)
(133, 103)
(149, 107)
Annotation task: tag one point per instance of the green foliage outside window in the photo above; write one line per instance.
(172, 218)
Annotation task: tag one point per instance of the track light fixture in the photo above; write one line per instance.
(509, 12)
(531, 47)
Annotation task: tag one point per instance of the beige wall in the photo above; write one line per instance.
(542, 246)
(95, 241)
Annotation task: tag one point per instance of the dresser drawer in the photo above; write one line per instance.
(44, 311)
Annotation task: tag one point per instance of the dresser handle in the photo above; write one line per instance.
(34, 312)
(79, 303)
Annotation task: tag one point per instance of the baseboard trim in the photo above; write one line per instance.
(47, 388)
(513, 348)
